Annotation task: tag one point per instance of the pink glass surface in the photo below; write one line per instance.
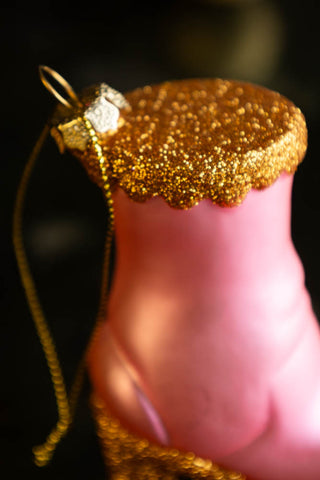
(210, 342)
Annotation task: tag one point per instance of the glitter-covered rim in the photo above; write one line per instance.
(190, 140)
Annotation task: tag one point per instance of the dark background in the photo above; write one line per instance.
(126, 44)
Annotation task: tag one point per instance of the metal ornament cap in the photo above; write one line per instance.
(100, 104)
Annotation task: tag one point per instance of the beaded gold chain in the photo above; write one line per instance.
(66, 404)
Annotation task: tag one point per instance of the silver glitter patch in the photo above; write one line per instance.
(103, 115)
(113, 96)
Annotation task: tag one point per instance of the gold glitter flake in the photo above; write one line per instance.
(74, 134)
(195, 139)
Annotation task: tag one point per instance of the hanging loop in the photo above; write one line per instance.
(43, 71)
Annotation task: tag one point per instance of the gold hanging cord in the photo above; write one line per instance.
(66, 405)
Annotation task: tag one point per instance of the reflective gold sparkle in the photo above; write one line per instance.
(194, 139)
(130, 457)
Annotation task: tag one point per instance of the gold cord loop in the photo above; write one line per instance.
(43, 69)
(66, 405)
(42, 453)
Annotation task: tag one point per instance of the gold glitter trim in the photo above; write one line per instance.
(129, 457)
(194, 139)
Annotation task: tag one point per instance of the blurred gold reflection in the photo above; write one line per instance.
(240, 39)
(217, 2)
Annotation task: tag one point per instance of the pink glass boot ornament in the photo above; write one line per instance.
(209, 353)
(210, 343)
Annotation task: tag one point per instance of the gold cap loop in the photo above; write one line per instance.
(43, 69)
